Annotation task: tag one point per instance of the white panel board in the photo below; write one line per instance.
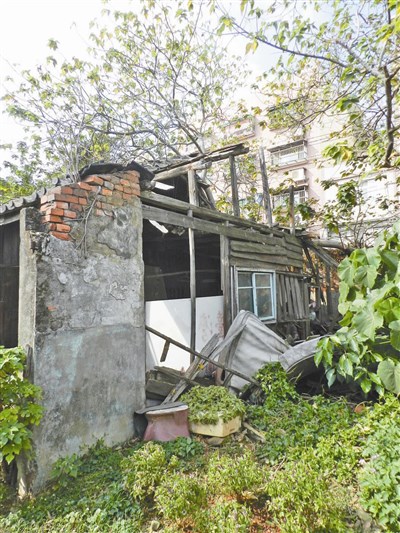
(172, 317)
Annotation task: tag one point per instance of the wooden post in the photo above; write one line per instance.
(192, 262)
(265, 187)
(291, 210)
(329, 304)
(234, 187)
(226, 281)
(192, 187)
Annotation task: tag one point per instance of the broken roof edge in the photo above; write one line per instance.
(145, 174)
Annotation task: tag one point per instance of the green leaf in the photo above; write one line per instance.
(366, 385)
(346, 271)
(395, 334)
(331, 377)
(389, 372)
(366, 275)
(367, 322)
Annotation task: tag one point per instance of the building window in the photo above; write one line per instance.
(287, 155)
(300, 196)
(256, 293)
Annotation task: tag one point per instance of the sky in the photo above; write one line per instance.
(27, 26)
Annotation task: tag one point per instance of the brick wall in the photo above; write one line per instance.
(99, 195)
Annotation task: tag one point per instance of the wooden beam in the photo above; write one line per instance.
(178, 219)
(234, 187)
(265, 187)
(178, 171)
(157, 200)
(291, 210)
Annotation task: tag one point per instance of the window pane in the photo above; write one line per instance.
(244, 279)
(264, 303)
(246, 300)
(263, 280)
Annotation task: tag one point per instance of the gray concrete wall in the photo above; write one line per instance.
(82, 312)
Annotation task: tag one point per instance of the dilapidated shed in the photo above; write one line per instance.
(86, 266)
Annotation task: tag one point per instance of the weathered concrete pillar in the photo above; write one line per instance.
(82, 313)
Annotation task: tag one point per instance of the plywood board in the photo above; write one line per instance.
(172, 317)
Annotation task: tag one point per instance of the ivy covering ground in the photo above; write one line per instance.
(324, 467)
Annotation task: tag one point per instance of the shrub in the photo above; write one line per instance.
(224, 517)
(234, 475)
(179, 496)
(18, 410)
(304, 499)
(380, 476)
(144, 470)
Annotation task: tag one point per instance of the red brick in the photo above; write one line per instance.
(55, 211)
(119, 188)
(70, 214)
(126, 183)
(100, 213)
(69, 198)
(51, 218)
(67, 190)
(94, 180)
(62, 236)
(106, 192)
(61, 205)
(128, 190)
(80, 192)
(83, 201)
(84, 186)
(127, 196)
(63, 228)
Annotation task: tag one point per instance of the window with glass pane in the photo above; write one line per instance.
(256, 293)
(286, 156)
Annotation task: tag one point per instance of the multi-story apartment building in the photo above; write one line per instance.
(295, 157)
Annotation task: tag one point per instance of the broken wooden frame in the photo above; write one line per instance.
(200, 356)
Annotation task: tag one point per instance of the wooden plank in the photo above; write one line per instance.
(165, 352)
(177, 219)
(234, 186)
(249, 264)
(260, 259)
(226, 281)
(281, 313)
(242, 246)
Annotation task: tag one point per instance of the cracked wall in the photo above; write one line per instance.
(82, 313)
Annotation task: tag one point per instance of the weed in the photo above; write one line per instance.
(144, 470)
(304, 499)
(184, 448)
(179, 496)
(234, 475)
